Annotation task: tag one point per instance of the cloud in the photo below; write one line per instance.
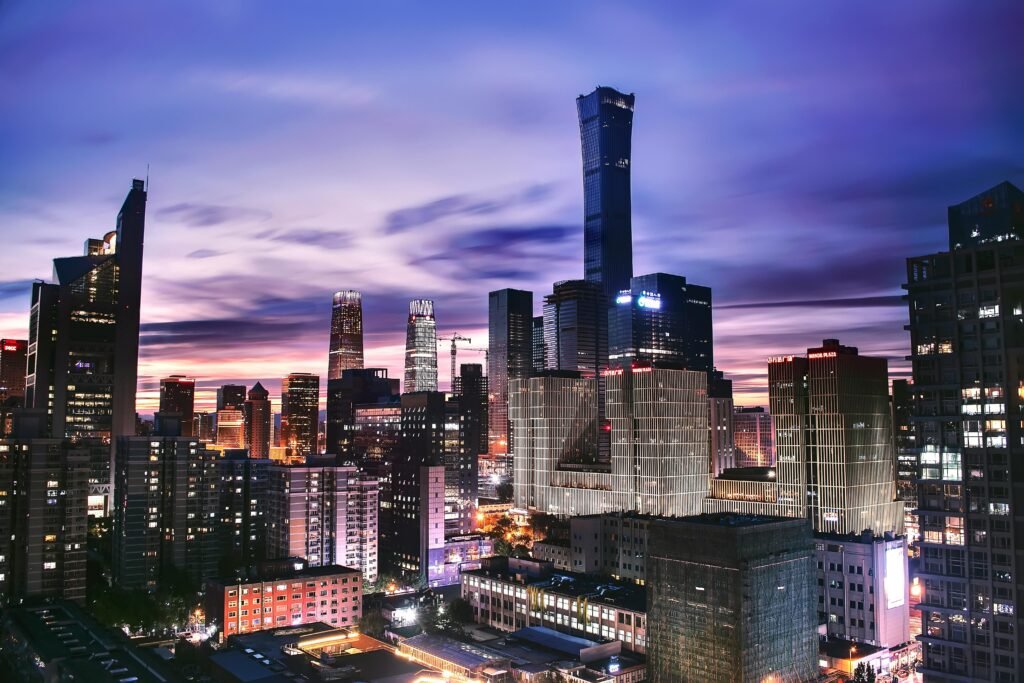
(208, 215)
(15, 288)
(204, 253)
(315, 237)
(461, 205)
(306, 88)
(851, 302)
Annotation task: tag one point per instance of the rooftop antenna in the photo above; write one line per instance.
(147, 177)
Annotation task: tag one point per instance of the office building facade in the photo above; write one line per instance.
(354, 387)
(658, 433)
(231, 427)
(420, 348)
(346, 352)
(720, 423)
(606, 129)
(966, 308)
(325, 514)
(509, 356)
(731, 599)
(661, 318)
(300, 413)
(178, 395)
(230, 396)
(753, 437)
(13, 353)
(83, 348)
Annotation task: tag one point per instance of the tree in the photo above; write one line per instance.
(460, 611)
(864, 673)
(504, 492)
(372, 623)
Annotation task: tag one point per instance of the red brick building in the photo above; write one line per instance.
(285, 594)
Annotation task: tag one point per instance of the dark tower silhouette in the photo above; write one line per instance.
(606, 126)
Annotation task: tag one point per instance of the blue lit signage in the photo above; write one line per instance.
(623, 299)
(649, 302)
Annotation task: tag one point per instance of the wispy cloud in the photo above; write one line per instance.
(207, 215)
(307, 87)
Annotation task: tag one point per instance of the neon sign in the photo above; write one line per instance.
(623, 299)
(779, 359)
(822, 354)
(648, 302)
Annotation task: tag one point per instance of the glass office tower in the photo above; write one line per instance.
(509, 356)
(421, 347)
(606, 127)
(346, 333)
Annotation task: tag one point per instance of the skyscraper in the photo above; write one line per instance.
(753, 437)
(177, 395)
(300, 411)
(966, 312)
(661, 318)
(346, 333)
(731, 598)
(83, 351)
(509, 356)
(12, 381)
(658, 433)
(354, 387)
(833, 444)
(576, 328)
(231, 396)
(606, 127)
(905, 445)
(421, 348)
(257, 422)
(538, 344)
(720, 422)
(231, 428)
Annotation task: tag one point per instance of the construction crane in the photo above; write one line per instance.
(454, 337)
(486, 353)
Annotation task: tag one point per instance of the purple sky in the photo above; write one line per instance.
(783, 152)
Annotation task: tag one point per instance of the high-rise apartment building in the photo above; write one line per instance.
(83, 347)
(325, 514)
(346, 333)
(658, 432)
(753, 437)
(44, 488)
(966, 312)
(361, 386)
(720, 422)
(166, 510)
(258, 413)
(833, 445)
(177, 395)
(661, 318)
(731, 598)
(242, 512)
(300, 413)
(606, 128)
(231, 396)
(421, 347)
(465, 442)
(509, 356)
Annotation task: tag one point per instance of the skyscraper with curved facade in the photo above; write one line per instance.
(606, 127)
(346, 333)
(421, 347)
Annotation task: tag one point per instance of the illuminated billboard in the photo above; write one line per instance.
(895, 577)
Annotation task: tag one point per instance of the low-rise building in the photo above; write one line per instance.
(863, 589)
(285, 593)
(509, 594)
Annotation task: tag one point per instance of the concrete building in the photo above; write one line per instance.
(509, 594)
(658, 432)
(44, 488)
(863, 588)
(167, 508)
(323, 513)
(284, 593)
(731, 599)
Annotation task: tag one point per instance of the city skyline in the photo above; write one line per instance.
(740, 168)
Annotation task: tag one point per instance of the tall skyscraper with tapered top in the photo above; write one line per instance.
(83, 350)
(346, 333)
(258, 412)
(421, 348)
(606, 129)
